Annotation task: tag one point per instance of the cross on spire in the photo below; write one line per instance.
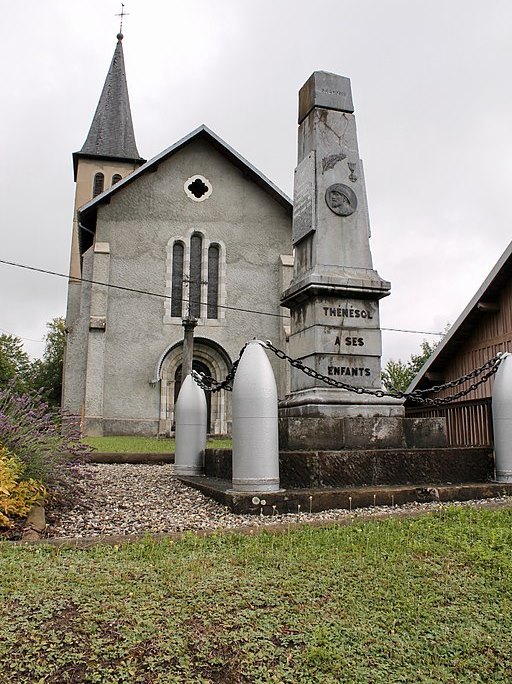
(122, 14)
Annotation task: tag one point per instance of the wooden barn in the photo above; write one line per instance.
(482, 330)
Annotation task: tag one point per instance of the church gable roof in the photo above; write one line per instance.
(88, 212)
(204, 133)
(111, 134)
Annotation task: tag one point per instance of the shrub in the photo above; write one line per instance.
(32, 430)
(17, 495)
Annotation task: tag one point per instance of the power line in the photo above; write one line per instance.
(28, 339)
(131, 289)
(163, 296)
(416, 332)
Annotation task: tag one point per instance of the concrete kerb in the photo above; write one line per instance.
(142, 458)
(277, 528)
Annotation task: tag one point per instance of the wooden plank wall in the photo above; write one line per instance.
(467, 423)
(469, 419)
(492, 334)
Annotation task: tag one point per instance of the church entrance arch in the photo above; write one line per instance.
(209, 358)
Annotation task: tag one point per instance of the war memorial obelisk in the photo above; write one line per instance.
(334, 294)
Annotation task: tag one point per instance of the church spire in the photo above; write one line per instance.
(111, 135)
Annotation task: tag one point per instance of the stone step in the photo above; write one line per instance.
(315, 500)
(369, 467)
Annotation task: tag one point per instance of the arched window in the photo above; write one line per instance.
(178, 251)
(116, 178)
(213, 281)
(98, 185)
(196, 276)
(195, 280)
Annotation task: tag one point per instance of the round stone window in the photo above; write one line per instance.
(198, 188)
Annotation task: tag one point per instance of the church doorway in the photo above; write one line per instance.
(209, 358)
(200, 367)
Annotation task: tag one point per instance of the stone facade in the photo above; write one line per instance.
(124, 348)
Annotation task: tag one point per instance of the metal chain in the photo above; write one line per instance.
(209, 384)
(496, 360)
(452, 397)
(415, 396)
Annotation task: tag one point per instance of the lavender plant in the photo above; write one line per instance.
(31, 429)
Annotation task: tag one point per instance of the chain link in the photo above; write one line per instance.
(209, 384)
(495, 361)
(416, 396)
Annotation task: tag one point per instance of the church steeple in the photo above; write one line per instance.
(109, 152)
(111, 133)
(111, 136)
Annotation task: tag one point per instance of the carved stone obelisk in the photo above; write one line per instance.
(334, 294)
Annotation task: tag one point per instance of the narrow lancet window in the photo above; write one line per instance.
(195, 279)
(196, 248)
(98, 185)
(116, 178)
(178, 251)
(213, 281)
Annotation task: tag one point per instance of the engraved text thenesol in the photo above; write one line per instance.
(346, 312)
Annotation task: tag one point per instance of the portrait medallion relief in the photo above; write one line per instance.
(341, 199)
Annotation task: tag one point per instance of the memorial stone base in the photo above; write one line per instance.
(335, 432)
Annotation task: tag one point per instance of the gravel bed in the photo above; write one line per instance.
(112, 499)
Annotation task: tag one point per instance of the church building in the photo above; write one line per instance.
(196, 232)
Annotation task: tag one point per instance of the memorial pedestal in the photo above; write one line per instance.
(328, 432)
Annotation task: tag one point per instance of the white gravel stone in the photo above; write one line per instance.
(112, 499)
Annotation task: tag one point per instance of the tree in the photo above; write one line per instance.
(46, 373)
(14, 363)
(399, 375)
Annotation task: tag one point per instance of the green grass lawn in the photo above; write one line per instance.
(143, 445)
(412, 600)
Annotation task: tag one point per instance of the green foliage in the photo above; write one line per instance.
(32, 430)
(424, 601)
(14, 363)
(399, 374)
(46, 373)
(42, 375)
(17, 495)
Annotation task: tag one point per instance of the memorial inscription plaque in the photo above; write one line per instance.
(304, 199)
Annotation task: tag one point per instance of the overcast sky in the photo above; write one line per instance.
(433, 104)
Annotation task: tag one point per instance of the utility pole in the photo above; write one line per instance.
(188, 323)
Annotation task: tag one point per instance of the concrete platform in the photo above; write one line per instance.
(315, 500)
(369, 467)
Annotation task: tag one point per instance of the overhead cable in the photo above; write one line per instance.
(164, 296)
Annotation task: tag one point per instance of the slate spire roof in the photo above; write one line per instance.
(111, 134)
